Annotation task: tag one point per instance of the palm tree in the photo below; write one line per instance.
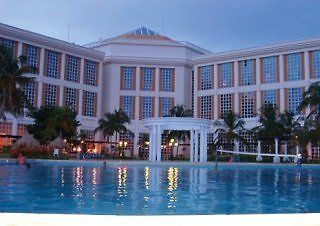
(113, 123)
(180, 111)
(12, 80)
(311, 98)
(270, 126)
(229, 129)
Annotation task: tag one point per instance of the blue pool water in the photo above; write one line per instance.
(144, 190)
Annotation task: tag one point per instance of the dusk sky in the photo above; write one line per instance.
(217, 25)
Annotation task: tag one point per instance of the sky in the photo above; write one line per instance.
(216, 25)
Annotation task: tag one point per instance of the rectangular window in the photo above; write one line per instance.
(50, 95)
(251, 144)
(71, 98)
(72, 68)
(166, 80)
(127, 105)
(9, 44)
(294, 99)
(206, 107)
(21, 130)
(247, 72)
(270, 98)
(206, 78)
(269, 69)
(146, 107)
(247, 105)
(225, 73)
(89, 103)
(128, 78)
(91, 72)
(315, 64)
(294, 67)
(127, 139)
(166, 103)
(32, 55)
(29, 92)
(147, 78)
(225, 104)
(52, 64)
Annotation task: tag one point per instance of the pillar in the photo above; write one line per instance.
(259, 157)
(158, 143)
(202, 144)
(191, 145)
(276, 158)
(196, 145)
(285, 158)
(151, 145)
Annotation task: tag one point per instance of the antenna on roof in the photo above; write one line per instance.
(162, 25)
(68, 32)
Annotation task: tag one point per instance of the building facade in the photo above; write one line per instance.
(146, 74)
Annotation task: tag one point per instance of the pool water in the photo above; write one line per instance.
(154, 190)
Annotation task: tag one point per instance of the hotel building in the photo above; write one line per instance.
(146, 74)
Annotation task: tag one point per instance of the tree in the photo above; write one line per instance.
(12, 80)
(113, 123)
(270, 126)
(311, 98)
(229, 129)
(180, 111)
(50, 122)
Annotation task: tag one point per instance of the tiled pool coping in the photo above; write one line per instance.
(17, 219)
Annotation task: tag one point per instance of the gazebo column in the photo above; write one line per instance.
(196, 145)
(151, 140)
(191, 145)
(259, 157)
(154, 143)
(202, 144)
(158, 143)
(276, 158)
(205, 134)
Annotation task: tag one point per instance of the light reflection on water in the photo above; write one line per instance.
(159, 190)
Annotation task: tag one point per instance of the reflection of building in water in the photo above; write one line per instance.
(122, 179)
(173, 177)
(197, 185)
(62, 177)
(146, 177)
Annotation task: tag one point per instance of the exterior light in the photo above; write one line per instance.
(79, 149)
(65, 140)
(170, 144)
(82, 142)
(147, 142)
(176, 144)
(120, 143)
(125, 143)
(171, 140)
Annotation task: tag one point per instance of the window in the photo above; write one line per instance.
(294, 69)
(52, 64)
(251, 144)
(225, 104)
(247, 105)
(29, 92)
(270, 97)
(71, 98)
(294, 99)
(89, 103)
(91, 72)
(269, 69)
(9, 44)
(50, 95)
(206, 78)
(127, 78)
(206, 107)
(72, 68)
(32, 55)
(225, 75)
(315, 152)
(127, 105)
(166, 80)
(21, 130)
(5, 129)
(127, 139)
(247, 72)
(316, 64)
(146, 103)
(147, 78)
(166, 104)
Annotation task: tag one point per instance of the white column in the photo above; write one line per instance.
(196, 145)
(201, 143)
(281, 78)
(158, 144)
(236, 85)
(215, 97)
(195, 97)
(259, 157)
(15, 125)
(191, 145)
(154, 143)
(307, 75)
(19, 50)
(258, 83)
(205, 154)
(276, 158)
(39, 78)
(151, 141)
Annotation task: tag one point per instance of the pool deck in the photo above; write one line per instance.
(17, 219)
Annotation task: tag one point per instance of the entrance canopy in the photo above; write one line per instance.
(197, 127)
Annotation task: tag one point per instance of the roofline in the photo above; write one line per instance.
(50, 42)
(259, 50)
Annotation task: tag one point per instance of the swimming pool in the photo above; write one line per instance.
(131, 189)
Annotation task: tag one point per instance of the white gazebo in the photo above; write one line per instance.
(197, 127)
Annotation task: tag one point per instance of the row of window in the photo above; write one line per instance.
(293, 71)
(127, 104)
(147, 79)
(52, 65)
(71, 97)
(247, 102)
